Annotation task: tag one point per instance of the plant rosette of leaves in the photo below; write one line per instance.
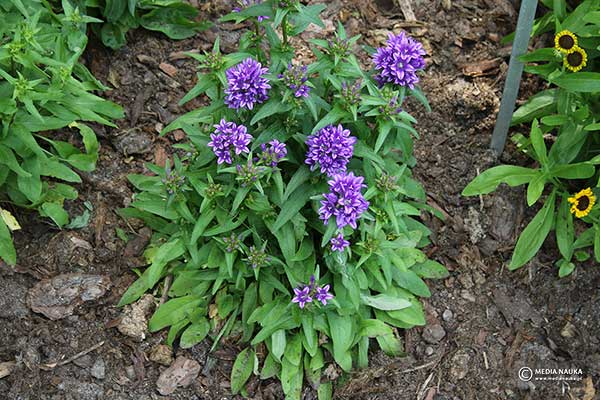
(290, 223)
(43, 88)
(114, 18)
(563, 140)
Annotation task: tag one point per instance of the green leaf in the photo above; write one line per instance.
(332, 118)
(242, 369)
(592, 127)
(194, 334)
(177, 21)
(203, 221)
(565, 268)
(385, 302)
(537, 141)
(7, 249)
(430, 269)
(411, 282)
(325, 391)
(270, 368)
(537, 106)
(273, 106)
(384, 130)
(293, 350)
(489, 180)
(173, 311)
(8, 158)
(278, 344)
(583, 82)
(554, 120)
(311, 341)
(300, 176)
(292, 206)
(573, 171)
(342, 337)
(565, 234)
(292, 377)
(165, 253)
(56, 212)
(535, 189)
(534, 234)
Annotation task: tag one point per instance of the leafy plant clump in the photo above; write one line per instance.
(114, 18)
(563, 140)
(290, 222)
(43, 88)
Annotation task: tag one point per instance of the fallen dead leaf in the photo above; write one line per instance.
(181, 374)
(168, 69)
(482, 68)
(6, 368)
(160, 156)
(589, 390)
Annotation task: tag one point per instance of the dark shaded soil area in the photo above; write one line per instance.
(484, 322)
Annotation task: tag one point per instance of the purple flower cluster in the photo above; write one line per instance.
(229, 136)
(399, 61)
(246, 85)
(338, 243)
(331, 148)
(295, 78)
(248, 3)
(307, 293)
(344, 201)
(272, 153)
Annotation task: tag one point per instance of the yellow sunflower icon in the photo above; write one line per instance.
(575, 59)
(565, 41)
(582, 203)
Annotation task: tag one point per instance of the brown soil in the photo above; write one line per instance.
(484, 322)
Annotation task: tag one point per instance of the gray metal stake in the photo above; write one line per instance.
(513, 76)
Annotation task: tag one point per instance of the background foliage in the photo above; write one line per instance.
(44, 88)
(563, 141)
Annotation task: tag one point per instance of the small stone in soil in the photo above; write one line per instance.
(460, 364)
(12, 299)
(181, 374)
(447, 315)
(57, 298)
(465, 294)
(433, 333)
(134, 141)
(98, 370)
(161, 354)
(568, 331)
(134, 322)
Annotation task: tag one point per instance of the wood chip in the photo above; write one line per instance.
(168, 69)
(482, 68)
(6, 368)
(407, 10)
(181, 55)
(178, 135)
(160, 156)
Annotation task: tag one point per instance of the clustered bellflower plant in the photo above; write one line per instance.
(297, 223)
(563, 141)
(43, 88)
